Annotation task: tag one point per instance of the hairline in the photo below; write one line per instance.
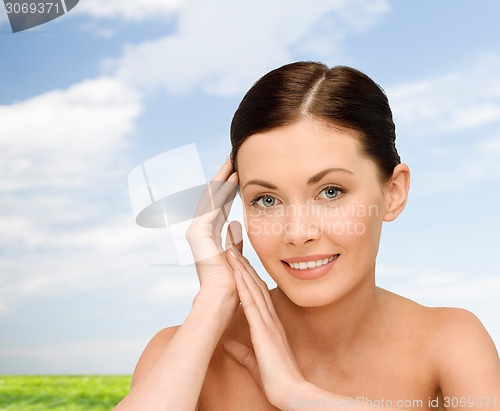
(329, 124)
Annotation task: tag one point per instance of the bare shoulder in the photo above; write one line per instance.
(441, 326)
(463, 355)
(453, 346)
(447, 331)
(153, 351)
(456, 331)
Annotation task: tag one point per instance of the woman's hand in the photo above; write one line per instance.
(173, 367)
(205, 235)
(271, 361)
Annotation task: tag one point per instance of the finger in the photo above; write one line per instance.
(220, 193)
(225, 171)
(217, 194)
(216, 187)
(253, 302)
(259, 283)
(256, 283)
(260, 329)
(234, 237)
(251, 271)
(210, 216)
(204, 235)
(224, 174)
(247, 298)
(223, 201)
(245, 356)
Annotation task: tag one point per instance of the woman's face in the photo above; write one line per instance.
(314, 207)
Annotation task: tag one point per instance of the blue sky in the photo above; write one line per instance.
(88, 96)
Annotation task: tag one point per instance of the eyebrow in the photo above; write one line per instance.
(312, 180)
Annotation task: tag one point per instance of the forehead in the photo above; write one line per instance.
(305, 147)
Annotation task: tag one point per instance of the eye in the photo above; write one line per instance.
(264, 201)
(331, 192)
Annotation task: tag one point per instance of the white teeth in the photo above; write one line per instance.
(311, 264)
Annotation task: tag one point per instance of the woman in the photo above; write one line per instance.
(313, 153)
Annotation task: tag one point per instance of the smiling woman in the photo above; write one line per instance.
(309, 215)
(314, 154)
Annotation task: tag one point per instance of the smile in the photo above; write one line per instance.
(310, 267)
(304, 265)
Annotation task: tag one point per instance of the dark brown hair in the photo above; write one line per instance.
(339, 96)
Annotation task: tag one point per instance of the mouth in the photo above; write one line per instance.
(310, 267)
(304, 265)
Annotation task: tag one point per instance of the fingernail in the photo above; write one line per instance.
(233, 254)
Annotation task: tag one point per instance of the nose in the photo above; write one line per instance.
(301, 225)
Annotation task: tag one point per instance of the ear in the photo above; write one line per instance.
(397, 191)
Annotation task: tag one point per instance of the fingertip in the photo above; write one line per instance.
(234, 177)
(235, 235)
(225, 170)
(228, 163)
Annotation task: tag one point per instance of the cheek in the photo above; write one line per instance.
(263, 233)
(357, 225)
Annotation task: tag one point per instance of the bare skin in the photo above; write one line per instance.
(332, 342)
(379, 364)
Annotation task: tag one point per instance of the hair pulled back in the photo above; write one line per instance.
(340, 97)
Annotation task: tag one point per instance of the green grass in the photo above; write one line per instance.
(62, 393)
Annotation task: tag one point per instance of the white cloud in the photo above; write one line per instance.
(184, 285)
(465, 98)
(64, 216)
(74, 357)
(128, 10)
(483, 161)
(458, 112)
(224, 52)
(431, 285)
(60, 148)
(60, 136)
(56, 262)
(457, 291)
(453, 167)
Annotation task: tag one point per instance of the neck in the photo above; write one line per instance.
(330, 329)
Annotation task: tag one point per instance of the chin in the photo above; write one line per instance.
(308, 302)
(322, 292)
(313, 294)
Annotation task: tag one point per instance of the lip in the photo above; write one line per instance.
(310, 273)
(307, 258)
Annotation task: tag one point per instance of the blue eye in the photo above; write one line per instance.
(264, 201)
(332, 192)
